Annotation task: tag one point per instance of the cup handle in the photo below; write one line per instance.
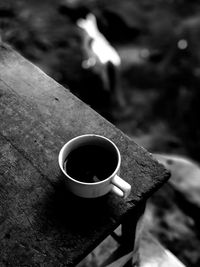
(120, 187)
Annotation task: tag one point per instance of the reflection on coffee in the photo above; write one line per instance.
(90, 163)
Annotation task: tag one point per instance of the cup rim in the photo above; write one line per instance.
(83, 136)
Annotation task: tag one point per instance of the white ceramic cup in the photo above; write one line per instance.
(95, 189)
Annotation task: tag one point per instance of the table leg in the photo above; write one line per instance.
(131, 233)
(127, 254)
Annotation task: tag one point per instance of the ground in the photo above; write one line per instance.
(156, 101)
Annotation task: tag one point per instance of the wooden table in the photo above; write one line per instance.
(40, 223)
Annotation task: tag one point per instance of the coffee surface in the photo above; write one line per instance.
(90, 163)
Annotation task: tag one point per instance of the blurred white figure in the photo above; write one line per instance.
(99, 45)
(102, 58)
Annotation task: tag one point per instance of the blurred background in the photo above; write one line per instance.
(146, 81)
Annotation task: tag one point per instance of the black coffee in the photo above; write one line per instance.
(91, 163)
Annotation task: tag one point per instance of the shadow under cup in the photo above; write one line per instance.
(90, 164)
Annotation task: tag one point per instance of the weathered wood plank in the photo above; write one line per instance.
(42, 223)
(151, 253)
